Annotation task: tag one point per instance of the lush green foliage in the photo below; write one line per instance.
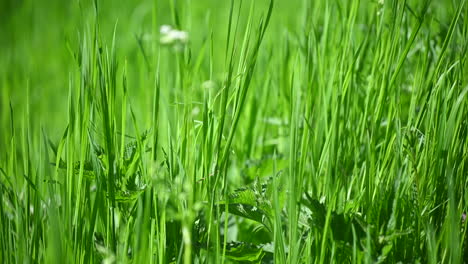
(246, 132)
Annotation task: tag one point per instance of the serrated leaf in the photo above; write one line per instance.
(244, 253)
(341, 224)
(251, 203)
(128, 196)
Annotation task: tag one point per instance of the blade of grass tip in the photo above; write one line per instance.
(243, 55)
(201, 56)
(243, 90)
(84, 145)
(438, 64)
(292, 212)
(267, 19)
(106, 86)
(139, 39)
(12, 125)
(12, 171)
(224, 106)
(18, 205)
(156, 106)
(223, 165)
(409, 44)
(227, 85)
(228, 37)
(58, 158)
(69, 182)
(175, 13)
(124, 115)
(32, 191)
(137, 132)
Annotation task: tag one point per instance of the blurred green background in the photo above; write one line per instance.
(38, 38)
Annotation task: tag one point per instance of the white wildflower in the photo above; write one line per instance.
(181, 36)
(165, 29)
(172, 36)
(209, 84)
(195, 111)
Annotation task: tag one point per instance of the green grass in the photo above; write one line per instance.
(275, 132)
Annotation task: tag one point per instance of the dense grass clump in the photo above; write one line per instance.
(163, 131)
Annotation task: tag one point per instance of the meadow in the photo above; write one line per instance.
(233, 131)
